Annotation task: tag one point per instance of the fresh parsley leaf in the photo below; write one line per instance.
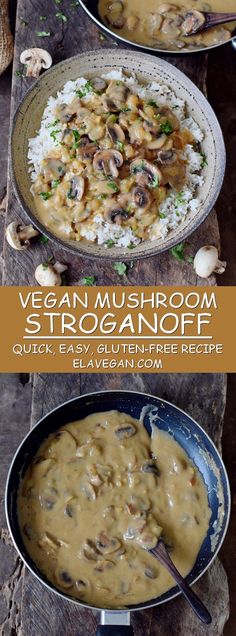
(45, 195)
(166, 128)
(155, 181)
(120, 145)
(179, 199)
(125, 109)
(42, 18)
(54, 123)
(88, 280)
(19, 73)
(120, 268)
(61, 16)
(190, 259)
(178, 251)
(162, 215)
(43, 239)
(109, 243)
(55, 183)
(43, 34)
(102, 196)
(204, 159)
(54, 134)
(85, 89)
(113, 186)
(76, 136)
(152, 103)
(131, 246)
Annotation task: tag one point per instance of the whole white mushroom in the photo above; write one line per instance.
(207, 261)
(48, 275)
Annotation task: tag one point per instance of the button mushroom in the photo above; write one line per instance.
(76, 191)
(52, 169)
(114, 15)
(117, 92)
(207, 261)
(193, 21)
(116, 213)
(115, 132)
(157, 143)
(98, 84)
(145, 173)
(48, 275)
(35, 59)
(166, 157)
(87, 148)
(18, 236)
(141, 197)
(108, 161)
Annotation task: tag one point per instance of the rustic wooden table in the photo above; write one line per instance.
(25, 607)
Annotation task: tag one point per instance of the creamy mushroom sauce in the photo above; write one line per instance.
(160, 25)
(99, 491)
(120, 157)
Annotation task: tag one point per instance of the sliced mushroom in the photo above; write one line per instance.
(52, 169)
(48, 542)
(108, 161)
(35, 59)
(76, 190)
(150, 467)
(114, 14)
(106, 544)
(123, 432)
(89, 491)
(28, 532)
(150, 573)
(207, 261)
(115, 132)
(167, 157)
(132, 22)
(86, 148)
(145, 173)
(98, 84)
(166, 112)
(118, 92)
(165, 8)
(157, 143)
(171, 27)
(137, 507)
(18, 236)
(71, 507)
(82, 585)
(141, 197)
(175, 175)
(66, 112)
(90, 551)
(48, 499)
(48, 275)
(116, 213)
(193, 21)
(134, 531)
(152, 24)
(63, 578)
(67, 137)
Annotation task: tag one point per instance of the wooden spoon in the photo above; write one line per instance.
(196, 21)
(160, 552)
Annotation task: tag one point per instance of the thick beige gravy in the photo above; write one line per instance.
(87, 506)
(140, 22)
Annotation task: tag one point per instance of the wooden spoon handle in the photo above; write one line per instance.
(198, 607)
(212, 19)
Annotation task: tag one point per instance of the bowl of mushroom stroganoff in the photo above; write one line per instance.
(113, 161)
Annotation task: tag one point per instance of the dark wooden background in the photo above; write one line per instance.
(25, 608)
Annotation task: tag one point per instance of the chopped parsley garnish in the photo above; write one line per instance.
(76, 136)
(84, 90)
(55, 183)
(162, 215)
(43, 239)
(61, 16)
(131, 246)
(24, 22)
(120, 268)
(102, 196)
(204, 159)
(43, 34)
(190, 259)
(45, 195)
(155, 181)
(42, 18)
(112, 118)
(178, 251)
(125, 109)
(19, 73)
(54, 134)
(113, 186)
(54, 123)
(109, 243)
(138, 168)
(74, 4)
(179, 199)
(120, 145)
(152, 103)
(166, 128)
(88, 280)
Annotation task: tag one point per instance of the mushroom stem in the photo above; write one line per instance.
(35, 59)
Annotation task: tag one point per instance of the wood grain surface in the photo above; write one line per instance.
(25, 607)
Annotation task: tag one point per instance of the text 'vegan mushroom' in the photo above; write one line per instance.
(108, 161)
(18, 236)
(35, 59)
(48, 275)
(207, 261)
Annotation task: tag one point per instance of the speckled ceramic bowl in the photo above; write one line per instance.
(147, 68)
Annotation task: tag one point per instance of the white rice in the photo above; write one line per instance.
(174, 208)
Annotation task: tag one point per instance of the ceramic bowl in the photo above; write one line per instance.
(147, 68)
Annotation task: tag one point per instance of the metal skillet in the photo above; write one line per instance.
(91, 8)
(153, 411)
